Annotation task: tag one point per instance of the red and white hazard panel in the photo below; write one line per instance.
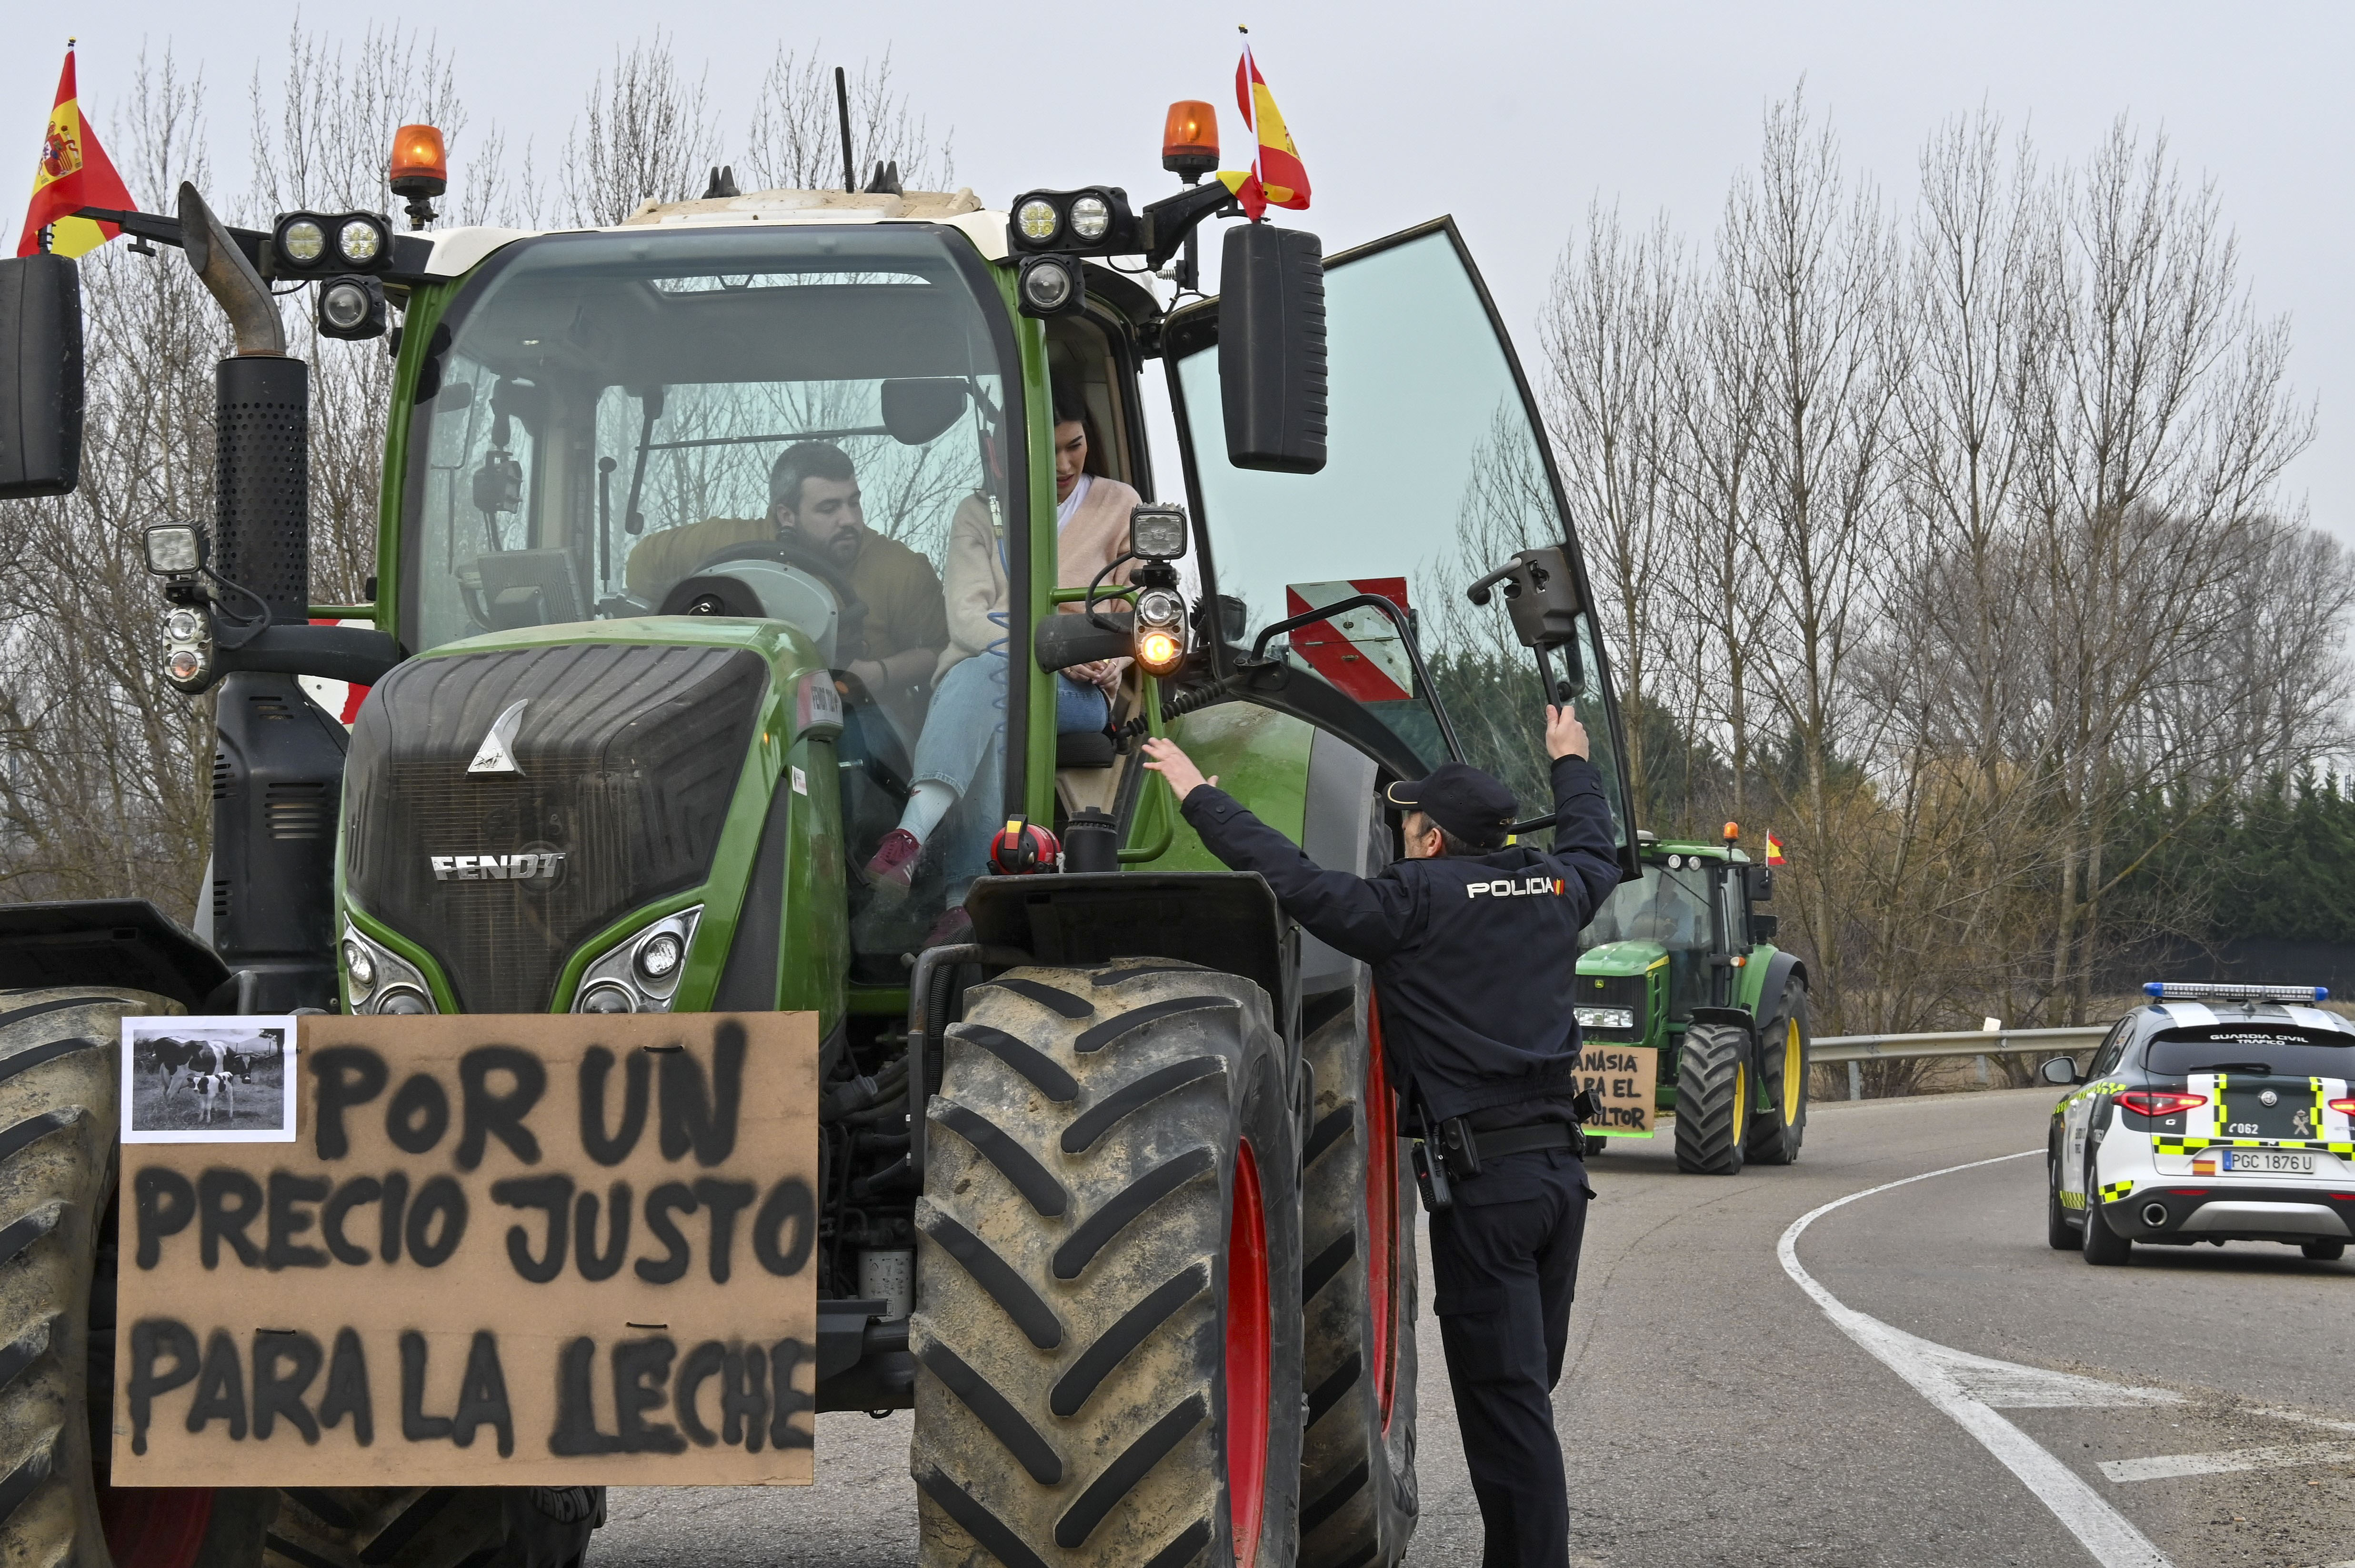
(1358, 650)
(341, 698)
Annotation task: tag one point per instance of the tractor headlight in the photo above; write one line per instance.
(351, 307)
(1091, 218)
(1051, 286)
(175, 549)
(360, 241)
(378, 980)
(1038, 219)
(640, 974)
(1606, 1018)
(1160, 631)
(302, 240)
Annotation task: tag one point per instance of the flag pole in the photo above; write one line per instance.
(1251, 107)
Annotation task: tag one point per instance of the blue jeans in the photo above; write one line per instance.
(963, 745)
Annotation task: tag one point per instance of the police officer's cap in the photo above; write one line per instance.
(1466, 802)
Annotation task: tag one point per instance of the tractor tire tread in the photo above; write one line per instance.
(1711, 1080)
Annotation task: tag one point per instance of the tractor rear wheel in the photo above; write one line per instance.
(1357, 1495)
(1712, 1099)
(1107, 1337)
(1777, 1130)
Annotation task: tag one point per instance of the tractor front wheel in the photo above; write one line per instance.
(1107, 1327)
(1777, 1129)
(1712, 1099)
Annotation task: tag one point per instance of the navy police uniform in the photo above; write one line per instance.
(1475, 959)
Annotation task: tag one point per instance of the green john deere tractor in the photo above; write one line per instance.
(1682, 962)
(1110, 1187)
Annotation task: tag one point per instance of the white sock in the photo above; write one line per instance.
(926, 806)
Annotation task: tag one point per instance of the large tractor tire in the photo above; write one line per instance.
(60, 1095)
(1712, 1099)
(1106, 1330)
(1357, 1496)
(1784, 1041)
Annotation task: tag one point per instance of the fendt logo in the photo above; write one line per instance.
(530, 866)
(1506, 888)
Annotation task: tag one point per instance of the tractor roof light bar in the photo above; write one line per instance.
(2207, 991)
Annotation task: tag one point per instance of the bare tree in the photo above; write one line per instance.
(795, 140)
(649, 136)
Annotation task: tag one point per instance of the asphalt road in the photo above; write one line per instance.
(1925, 1383)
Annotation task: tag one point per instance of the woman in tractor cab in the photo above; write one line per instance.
(956, 755)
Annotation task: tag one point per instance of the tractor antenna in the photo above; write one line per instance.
(842, 106)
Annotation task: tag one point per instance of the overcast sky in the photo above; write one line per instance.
(1511, 117)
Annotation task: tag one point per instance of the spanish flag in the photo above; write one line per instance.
(1773, 850)
(74, 172)
(1276, 177)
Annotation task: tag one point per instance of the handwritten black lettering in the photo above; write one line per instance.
(276, 1396)
(660, 1203)
(596, 1066)
(576, 1433)
(348, 1389)
(706, 1361)
(483, 1396)
(789, 1203)
(640, 1368)
(152, 1340)
(163, 1202)
(348, 1076)
(419, 1115)
(552, 1194)
(744, 1397)
(595, 1265)
(489, 1114)
(354, 1193)
(289, 1217)
(226, 1202)
(389, 1217)
(787, 1401)
(220, 1388)
(416, 1426)
(441, 1197)
(726, 1199)
(700, 1117)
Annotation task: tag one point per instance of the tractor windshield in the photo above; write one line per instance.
(606, 414)
(1670, 909)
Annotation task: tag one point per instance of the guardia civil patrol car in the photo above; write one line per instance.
(2214, 1113)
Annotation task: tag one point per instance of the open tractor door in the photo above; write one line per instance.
(1105, 1172)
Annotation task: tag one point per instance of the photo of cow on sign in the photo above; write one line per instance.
(207, 1080)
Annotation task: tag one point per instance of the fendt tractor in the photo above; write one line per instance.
(1681, 963)
(1110, 1189)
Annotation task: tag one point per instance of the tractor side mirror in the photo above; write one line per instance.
(1761, 881)
(2062, 1071)
(1272, 348)
(40, 377)
(1763, 927)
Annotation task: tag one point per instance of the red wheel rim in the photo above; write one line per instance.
(1249, 1356)
(1381, 1211)
(155, 1526)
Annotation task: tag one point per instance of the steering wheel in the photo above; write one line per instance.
(852, 624)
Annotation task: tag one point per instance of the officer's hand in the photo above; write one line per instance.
(1164, 758)
(1565, 736)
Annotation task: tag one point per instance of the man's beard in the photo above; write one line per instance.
(843, 548)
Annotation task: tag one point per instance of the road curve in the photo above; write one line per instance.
(1717, 1412)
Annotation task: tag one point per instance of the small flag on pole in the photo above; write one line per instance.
(1773, 850)
(74, 172)
(1276, 177)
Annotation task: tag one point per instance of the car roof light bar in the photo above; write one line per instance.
(2203, 991)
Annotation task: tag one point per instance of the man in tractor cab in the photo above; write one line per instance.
(813, 502)
(1474, 943)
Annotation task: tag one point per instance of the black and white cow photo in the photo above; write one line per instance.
(209, 1080)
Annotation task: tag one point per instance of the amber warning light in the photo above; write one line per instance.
(420, 170)
(1189, 139)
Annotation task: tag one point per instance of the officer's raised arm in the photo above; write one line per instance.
(1582, 840)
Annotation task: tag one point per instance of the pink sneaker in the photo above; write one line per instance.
(894, 865)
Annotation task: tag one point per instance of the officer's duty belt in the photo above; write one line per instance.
(1527, 1139)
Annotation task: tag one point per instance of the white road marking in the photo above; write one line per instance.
(2167, 1467)
(1967, 1388)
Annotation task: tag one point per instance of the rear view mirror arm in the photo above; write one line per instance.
(1406, 636)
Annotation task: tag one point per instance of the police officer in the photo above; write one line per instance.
(1474, 943)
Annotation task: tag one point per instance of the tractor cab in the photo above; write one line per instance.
(1681, 960)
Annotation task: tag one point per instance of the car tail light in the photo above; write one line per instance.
(2159, 1102)
(2344, 1107)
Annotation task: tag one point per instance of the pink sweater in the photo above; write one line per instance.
(975, 580)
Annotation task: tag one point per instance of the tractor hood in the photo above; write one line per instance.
(1621, 959)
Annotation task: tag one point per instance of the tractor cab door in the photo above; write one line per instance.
(1437, 472)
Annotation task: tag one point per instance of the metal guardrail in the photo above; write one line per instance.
(1856, 1049)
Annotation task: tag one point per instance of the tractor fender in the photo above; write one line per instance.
(1780, 970)
(1738, 1018)
(127, 944)
(1220, 920)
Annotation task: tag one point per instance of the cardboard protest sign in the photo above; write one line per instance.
(1625, 1080)
(500, 1251)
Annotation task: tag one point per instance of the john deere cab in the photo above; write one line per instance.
(1110, 1189)
(1681, 961)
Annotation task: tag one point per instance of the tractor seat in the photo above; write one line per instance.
(1087, 749)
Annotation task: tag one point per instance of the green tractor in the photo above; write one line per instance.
(1111, 1189)
(1681, 963)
